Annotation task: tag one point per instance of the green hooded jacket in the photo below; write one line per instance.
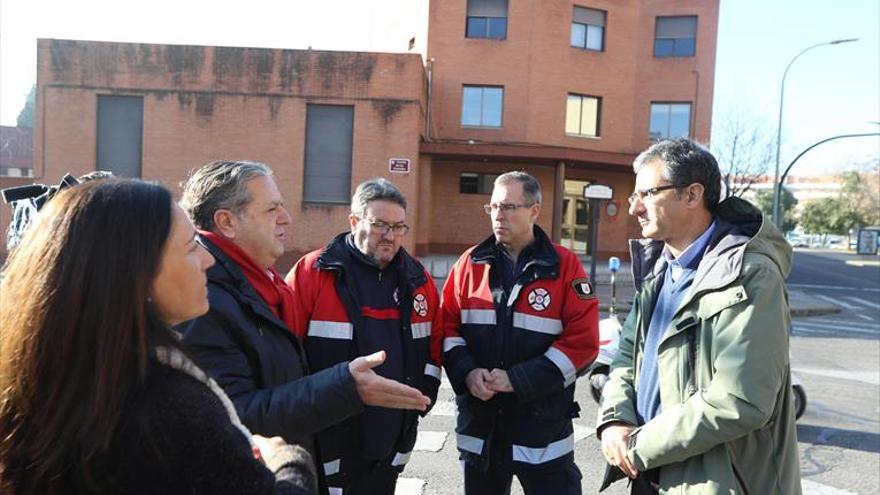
(727, 413)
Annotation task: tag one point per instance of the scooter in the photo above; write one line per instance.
(609, 342)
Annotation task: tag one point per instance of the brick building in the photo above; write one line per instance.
(570, 92)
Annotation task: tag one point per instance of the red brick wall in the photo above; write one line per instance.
(538, 68)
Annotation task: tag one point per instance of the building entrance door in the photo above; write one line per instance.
(575, 217)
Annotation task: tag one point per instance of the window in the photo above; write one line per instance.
(120, 132)
(481, 106)
(486, 19)
(588, 29)
(675, 36)
(473, 183)
(329, 135)
(582, 115)
(670, 120)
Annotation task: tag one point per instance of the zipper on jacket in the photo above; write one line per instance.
(692, 361)
(738, 476)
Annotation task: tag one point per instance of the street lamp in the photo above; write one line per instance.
(777, 187)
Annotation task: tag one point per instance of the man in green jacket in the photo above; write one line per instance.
(699, 399)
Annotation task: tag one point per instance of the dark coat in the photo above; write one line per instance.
(193, 446)
(260, 364)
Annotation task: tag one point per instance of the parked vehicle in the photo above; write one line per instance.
(609, 342)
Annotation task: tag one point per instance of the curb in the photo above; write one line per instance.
(814, 311)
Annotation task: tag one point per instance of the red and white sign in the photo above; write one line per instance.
(398, 165)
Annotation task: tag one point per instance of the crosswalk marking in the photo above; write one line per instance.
(836, 301)
(443, 407)
(835, 323)
(863, 302)
(798, 329)
(409, 486)
(444, 382)
(869, 377)
(431, 441)
(831, 287)
(813, 488)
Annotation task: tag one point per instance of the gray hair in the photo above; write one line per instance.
(219, 185)
(685, 162)
(377, 189)
(531, 186)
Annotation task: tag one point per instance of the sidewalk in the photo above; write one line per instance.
(801, 303)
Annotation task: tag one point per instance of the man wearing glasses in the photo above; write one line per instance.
(362, 294)
(699, 397)
(520, 319)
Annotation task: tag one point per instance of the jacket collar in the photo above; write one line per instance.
(544, 254)
(336, 255)
(226, 272)
(739, 226)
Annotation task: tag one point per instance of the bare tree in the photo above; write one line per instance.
(744, 149)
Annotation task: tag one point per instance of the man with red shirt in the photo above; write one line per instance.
(520, 319)
(360, 294)
(246, 342)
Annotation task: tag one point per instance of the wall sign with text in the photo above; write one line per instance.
(399, 165)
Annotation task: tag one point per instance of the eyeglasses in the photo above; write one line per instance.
(649, 193)
(505, 207)
(383, 228)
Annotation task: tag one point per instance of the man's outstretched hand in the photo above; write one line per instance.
(382, 392)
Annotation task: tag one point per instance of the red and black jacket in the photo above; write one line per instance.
(330, 317)
(542, 331)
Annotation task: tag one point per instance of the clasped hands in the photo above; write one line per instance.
(484, 384)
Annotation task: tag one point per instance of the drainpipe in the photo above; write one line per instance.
(558, 196)
(429, 104)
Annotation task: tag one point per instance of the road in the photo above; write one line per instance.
(836, 356)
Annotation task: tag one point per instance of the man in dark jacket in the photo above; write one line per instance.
(520, 318)
(245, 341)
(360, 294)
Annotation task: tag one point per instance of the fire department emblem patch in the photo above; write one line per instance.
(583, 288)
(420, 305)
(539, 299)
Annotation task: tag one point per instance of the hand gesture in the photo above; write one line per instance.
(382, 392)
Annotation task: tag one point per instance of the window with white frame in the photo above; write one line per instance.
(582, 115)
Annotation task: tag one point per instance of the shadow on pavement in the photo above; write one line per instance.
(838, 437)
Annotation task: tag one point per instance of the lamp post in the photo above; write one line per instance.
(777, 186)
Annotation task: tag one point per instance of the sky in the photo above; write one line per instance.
(829, 91)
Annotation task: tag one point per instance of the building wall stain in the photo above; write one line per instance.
(183, 62)
(387, 109)
(275, 106)
(260, 69)
(228, 66)
(335, 68)
(205, 104)
(292, 70)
